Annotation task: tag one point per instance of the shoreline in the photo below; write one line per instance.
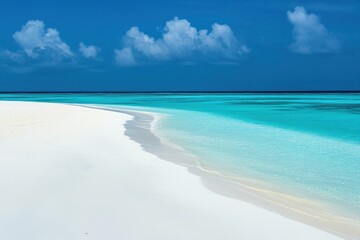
(71, 172)
(254, 192)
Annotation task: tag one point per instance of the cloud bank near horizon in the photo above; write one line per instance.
(179, 42)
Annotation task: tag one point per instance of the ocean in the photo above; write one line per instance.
(305, 145)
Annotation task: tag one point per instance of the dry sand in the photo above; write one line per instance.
(68, 172)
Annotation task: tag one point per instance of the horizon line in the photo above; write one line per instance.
(180, 92)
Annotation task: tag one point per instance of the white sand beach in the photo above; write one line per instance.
(69, 172)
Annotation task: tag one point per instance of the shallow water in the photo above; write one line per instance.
(306, 145)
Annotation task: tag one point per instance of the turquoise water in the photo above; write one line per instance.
(304, 144)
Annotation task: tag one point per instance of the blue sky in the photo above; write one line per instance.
(191, 45)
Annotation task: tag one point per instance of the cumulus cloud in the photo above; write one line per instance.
(89, 51)
(181, 42)
(125, 57)
(42, 47)
(310, 35)
(35, 40)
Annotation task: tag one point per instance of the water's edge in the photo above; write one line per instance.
(140, 130)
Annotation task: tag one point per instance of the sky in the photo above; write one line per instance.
(189, 45)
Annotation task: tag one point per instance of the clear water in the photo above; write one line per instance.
(306, 144)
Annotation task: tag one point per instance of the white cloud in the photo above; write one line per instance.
(181, 42)
(125, 57)
(89, 51)
(36, 40)
(42, 47)
(310, 35)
